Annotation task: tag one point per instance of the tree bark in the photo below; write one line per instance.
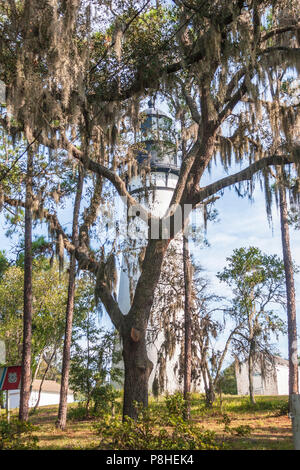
(62, 410)
(138, 368)
(250, 371)
(187, 269)
(210, 396)
(290, 293)
(27, 314)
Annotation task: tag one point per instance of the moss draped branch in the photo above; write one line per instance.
(244, 175)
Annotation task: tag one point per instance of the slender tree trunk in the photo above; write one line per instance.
(209, 388)
(250, 371)
(42, 381)
(290, 293)
(27, 314)
(137, 371)
(187, 269)
(62, 411)
(37, 369)
(88, 367)
(204, 376)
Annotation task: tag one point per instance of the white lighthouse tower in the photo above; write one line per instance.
(153, 190)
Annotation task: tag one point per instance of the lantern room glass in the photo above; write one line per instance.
(157, 137)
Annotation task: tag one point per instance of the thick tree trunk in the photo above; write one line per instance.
(62, 410)
(27, 314)
(187, 327)
(137, 371)
(290, 293)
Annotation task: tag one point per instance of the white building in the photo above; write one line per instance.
(49, 394)
(270, 376)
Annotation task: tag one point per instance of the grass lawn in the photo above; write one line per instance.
(265, 426)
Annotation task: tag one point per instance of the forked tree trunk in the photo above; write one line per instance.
(290, 293)
(187, 269)
(63, 400)
(137, 369)
(27, 314)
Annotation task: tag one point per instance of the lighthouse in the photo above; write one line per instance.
(152, 186)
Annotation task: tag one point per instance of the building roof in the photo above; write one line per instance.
(48, 386)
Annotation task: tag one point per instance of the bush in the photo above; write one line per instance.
(242, 430)
(149, 433)
(17, 435)
(283, 409)
(175, 404)
(104, 401)
(226, 420)
(78, 413)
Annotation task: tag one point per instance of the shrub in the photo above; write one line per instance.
(175, 404)
(105, 399)
(242, 430)
(226, 420)
(283, 409)
(78, 413)
(104, 402)
(17, 435)
(148, 432)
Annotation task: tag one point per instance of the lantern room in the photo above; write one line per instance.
(158, 140)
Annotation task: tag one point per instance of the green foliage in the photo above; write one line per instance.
(41, 248)
(149, 431)
(93, 359)
(79, 413)
(105, 402)
(226, 420)
(49, 308)
(243, 430)
(4, 263)
(283, 409)
(105, 399)
(272, 404)
(17, 435)
(175, 404)
(249, 271)
(49, 304)
(227, 381)
(258, 284)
